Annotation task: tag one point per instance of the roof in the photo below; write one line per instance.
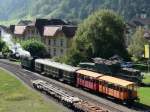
(51, 30)
(140, 21)
(25, 22)
(68, 30)
(116, 81)
(40, 23)
(56, 65)
(19, 30)
(89, 73)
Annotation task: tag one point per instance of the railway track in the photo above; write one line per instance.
(27, 76)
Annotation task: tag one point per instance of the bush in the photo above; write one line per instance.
(5, 51)
(2, 44)
(35, 47)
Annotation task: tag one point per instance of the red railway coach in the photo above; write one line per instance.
(88, 79)
(118, 88)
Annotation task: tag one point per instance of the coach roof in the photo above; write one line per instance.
(116, 81)
(56, 65)
(89, 73)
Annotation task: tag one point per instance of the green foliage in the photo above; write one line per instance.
(100, 35)
(5, 51)
(136, 47)
(69, 9)
(143, 93)
(35, 47)
(2, 44)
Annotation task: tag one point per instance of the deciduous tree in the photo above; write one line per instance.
(100, 35)
(136, 47)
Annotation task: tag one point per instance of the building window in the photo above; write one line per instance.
(54, 42)
(50, 51)
(61, 42)
(61, 51)
(49, 42)
(54, 51)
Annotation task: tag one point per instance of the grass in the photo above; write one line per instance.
(144, 95)
(16, 97)
(144, 92)
(146, 78)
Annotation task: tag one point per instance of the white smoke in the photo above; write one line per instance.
(14, 47)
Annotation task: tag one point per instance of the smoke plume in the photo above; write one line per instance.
(14, 47)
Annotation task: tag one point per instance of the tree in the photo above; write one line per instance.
(2, 44)
(100, 35)
(5, 51)
(35, 47)
(136, 47)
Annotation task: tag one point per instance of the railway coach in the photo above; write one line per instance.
(59, 71)
(119, 89)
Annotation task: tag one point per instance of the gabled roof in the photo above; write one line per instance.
(68, 30)
(19, 30)
(116, 81)
(89, 73)
(51, 30)
(140, 21)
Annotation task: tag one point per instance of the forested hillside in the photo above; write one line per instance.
(69, 9)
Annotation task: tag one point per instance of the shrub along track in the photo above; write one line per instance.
(27, 76)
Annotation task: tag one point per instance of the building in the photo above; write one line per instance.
(58, 39)
(141, 20)
(25, 32)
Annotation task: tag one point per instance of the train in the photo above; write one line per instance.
(97, 83)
